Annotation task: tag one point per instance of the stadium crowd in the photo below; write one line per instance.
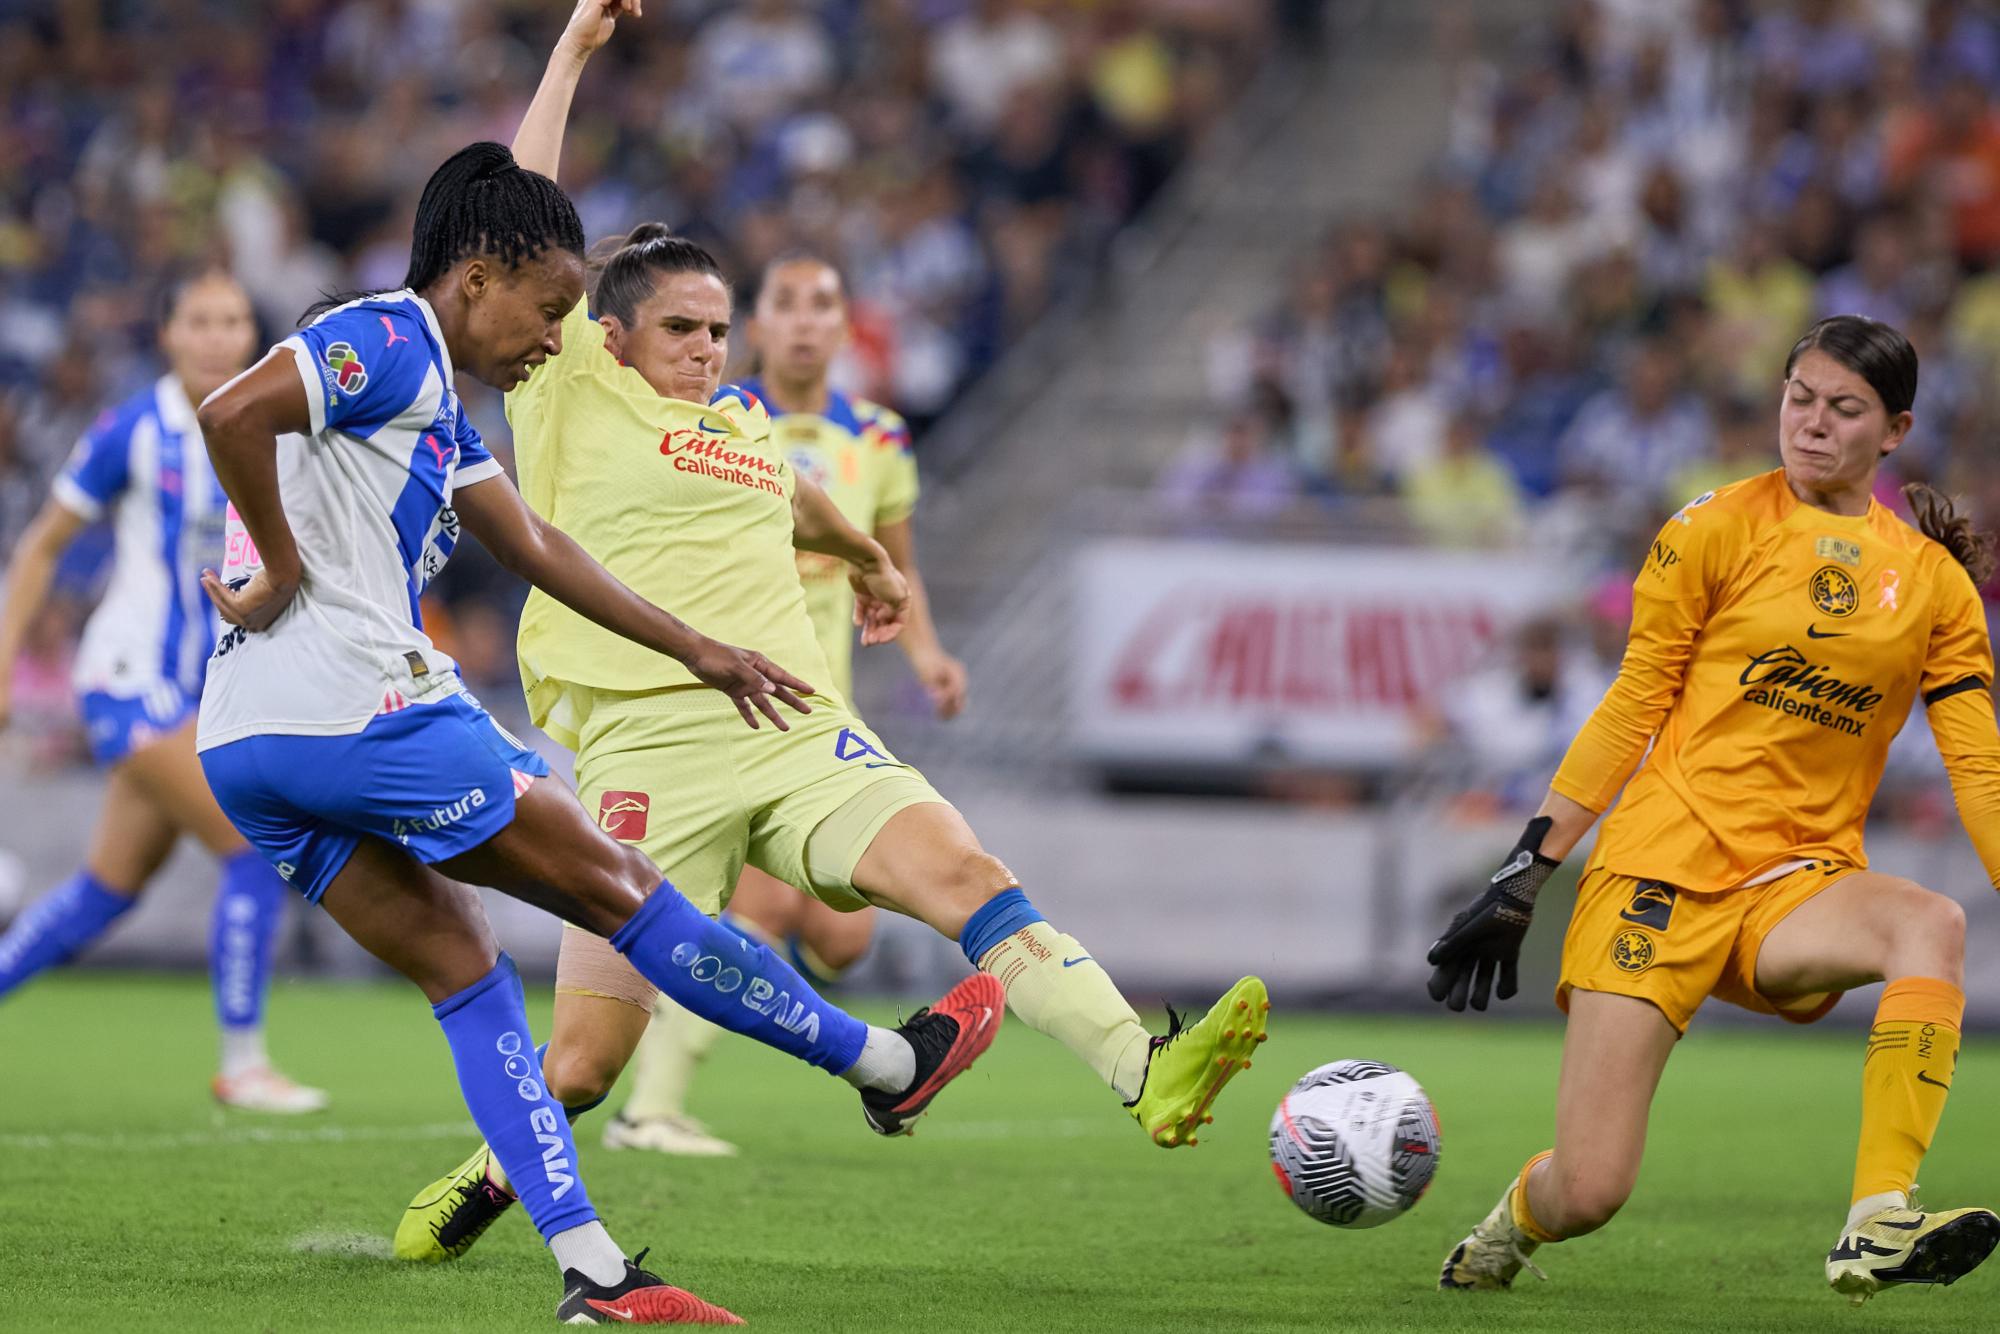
(1580, 321)
(961, 159)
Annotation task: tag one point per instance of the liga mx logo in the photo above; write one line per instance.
(348, 373)
(623, 815)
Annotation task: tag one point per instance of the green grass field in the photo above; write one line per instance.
(1027, 1201)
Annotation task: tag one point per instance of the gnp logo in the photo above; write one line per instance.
(775, 1005)
(517, 1060)
(623, 815)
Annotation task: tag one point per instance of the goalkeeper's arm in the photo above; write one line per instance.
(1483, 943)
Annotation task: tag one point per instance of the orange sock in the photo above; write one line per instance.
(1524, 1217)
(1912, 1051)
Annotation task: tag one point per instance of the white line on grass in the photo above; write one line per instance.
(233, 1137)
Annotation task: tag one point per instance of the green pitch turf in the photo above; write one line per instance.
(1027, 1201)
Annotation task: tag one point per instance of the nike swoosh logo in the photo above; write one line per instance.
(1911, 1226)
(1924, 1078)
(1081, 958)
(617, 1312)
(1814, 632)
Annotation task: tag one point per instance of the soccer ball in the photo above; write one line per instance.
(1355, 1143)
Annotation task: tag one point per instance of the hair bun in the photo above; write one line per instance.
(648, 231)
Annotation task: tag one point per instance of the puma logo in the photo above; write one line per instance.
(394, 337)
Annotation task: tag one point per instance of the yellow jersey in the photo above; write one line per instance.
(1775, 652)
(690, 505)
(859, 454)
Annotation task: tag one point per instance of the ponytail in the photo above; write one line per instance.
(621, 273)
(1938, 520)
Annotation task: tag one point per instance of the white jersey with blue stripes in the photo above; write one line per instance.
(368, 494)
(143, 465)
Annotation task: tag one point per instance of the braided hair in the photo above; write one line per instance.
(481, 202)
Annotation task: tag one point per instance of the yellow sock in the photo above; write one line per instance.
(1912, 1051)
(1524, 1216)
(663, 1066)
(1055, 987)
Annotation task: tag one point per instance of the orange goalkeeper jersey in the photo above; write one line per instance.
(1775, 652)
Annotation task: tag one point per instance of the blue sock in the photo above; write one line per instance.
(56, 926)
(487, 1026)
(735, 983)
(248, 909)
(998, 918)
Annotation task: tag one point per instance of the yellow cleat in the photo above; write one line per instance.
(452, 1213)
(1489, 1259)
(1910, 1246)
(1189, 1066)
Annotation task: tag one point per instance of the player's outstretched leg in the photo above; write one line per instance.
(53, 928)
(1613, 1053)
(926, 862)
(435, 933)
(1912, 1058)
(249, 908)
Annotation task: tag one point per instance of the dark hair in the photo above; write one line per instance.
(1881, 355)
(754, 292)
(622, 272)
(1875, 351)
(1938, 520)
(480, 202)
(177, 284)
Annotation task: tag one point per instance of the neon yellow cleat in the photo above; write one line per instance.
(452, 1213)
(1189, 1066)
(1910, 1246)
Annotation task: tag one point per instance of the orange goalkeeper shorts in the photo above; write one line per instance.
(1676, 948)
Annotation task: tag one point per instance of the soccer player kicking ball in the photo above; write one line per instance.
(859, 454)
(344, 745)
(1782, 627)
(674, 484)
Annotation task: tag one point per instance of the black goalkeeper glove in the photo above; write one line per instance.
(1485, 938)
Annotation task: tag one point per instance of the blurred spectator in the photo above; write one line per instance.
(1243, 475)
(1509, 725)
(1467, 496)
(1628, 442)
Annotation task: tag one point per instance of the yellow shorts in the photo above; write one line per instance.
(677, 773)
(1676, 948)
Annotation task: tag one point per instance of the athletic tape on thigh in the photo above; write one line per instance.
(588, 966)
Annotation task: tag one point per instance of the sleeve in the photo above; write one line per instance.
(1958, 700)
(582, 348)
(1671, 599)
(475, 463)
(365, 367)
(898, 499)
(99, 468)
(743, 410)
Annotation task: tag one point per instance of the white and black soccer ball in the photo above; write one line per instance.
(1355, 1143)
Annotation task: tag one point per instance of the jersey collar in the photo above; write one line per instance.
(176, 410)
(437, 334)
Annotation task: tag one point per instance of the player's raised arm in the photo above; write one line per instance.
(241, 423)
(538, 143)
(525, 543)
(881, 594)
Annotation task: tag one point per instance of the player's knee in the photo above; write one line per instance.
(577, 1075)
(1588, 1205)
(1933, 922)
(611, 888)
(972, 878)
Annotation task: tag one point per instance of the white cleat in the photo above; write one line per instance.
(1489, 1259)
(682, 1136)
(1897, 1245)
(265, 1090)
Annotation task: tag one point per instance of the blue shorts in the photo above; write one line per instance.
(438, 779)
(117, 725)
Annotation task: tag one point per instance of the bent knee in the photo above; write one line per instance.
(1589, 1205)
(1935, 919)
(579, 1075)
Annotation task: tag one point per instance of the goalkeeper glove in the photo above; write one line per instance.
(1484, 940)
